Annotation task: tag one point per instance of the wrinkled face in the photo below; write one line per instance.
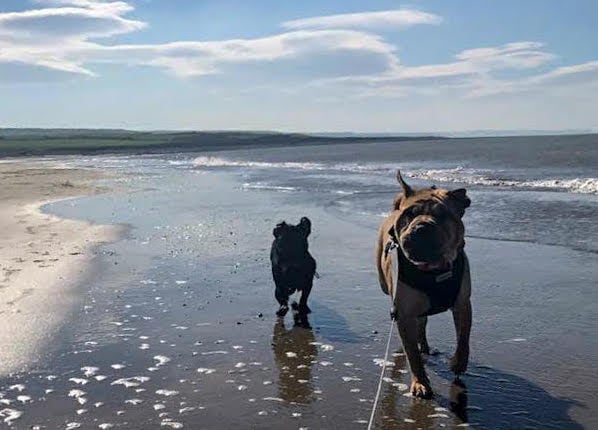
(429, 227)
(291, 240)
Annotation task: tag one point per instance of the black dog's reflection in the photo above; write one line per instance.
(419, 413)
(294, 353)
(458, 399)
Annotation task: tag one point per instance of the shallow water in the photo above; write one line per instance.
(179, 318)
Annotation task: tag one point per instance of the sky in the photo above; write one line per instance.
(308, 66)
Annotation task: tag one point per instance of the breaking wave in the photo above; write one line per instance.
(486, 178)
(468, 176)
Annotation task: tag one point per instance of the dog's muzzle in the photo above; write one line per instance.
(421, 244)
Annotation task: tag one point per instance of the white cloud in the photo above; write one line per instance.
(475, 73)
(63, 37)
(335, 52)
(389, 18)
(80, 20)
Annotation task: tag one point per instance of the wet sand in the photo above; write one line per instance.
(176, 329)
(43, 258)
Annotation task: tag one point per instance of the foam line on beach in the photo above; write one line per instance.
(460, 175)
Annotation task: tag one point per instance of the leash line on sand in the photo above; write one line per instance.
(377, 398)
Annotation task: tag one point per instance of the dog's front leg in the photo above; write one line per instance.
(422, 340)
(462, 317)
(408, 330)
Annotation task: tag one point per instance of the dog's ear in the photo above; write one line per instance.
(279, 229)
(396, 203)
(460, 200)
(407, 190)
(305, 226)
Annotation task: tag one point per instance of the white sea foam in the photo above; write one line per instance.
(10, 415)
(89, 370)
(264, 186)
(76, 393)
(17, 387)
(214, 353)
(167, 393)
(161, 360)
(166, 422)
(381, 362)
(485, 177)
(490, 178)
(134, 381)
(206, 161)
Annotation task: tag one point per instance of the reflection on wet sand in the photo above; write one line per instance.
(294, 354)
(400, 412)
(491, 399)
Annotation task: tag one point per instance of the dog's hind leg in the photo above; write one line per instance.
(422, 340)
(282, 297)
(303, 308)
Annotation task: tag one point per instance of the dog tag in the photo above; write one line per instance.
(444, 276)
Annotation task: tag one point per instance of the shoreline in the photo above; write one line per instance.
(43, 258)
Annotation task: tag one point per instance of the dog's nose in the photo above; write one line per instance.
(422, 230)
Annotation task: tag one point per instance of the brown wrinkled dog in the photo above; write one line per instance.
(422, 264)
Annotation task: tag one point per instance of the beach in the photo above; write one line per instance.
(43, 258)
(173, 325)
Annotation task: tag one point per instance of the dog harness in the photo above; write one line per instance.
(440, 286)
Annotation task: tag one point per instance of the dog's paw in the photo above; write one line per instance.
(421, 389)
(282, 311)
(458, 363)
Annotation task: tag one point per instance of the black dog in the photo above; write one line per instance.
(293, 268)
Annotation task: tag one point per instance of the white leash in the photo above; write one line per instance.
(377, 398)
(395, 275)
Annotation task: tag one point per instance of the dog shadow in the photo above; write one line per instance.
(484, 398)
(331, 325)
(294, 354)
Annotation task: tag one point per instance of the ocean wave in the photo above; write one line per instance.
(204, 161)
(263, 186)
(488, 178)
(462, 175)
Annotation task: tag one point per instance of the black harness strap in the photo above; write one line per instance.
(440, 286)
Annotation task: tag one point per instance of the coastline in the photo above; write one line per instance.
(43, 258)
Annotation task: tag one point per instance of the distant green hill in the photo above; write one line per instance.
(35, 142)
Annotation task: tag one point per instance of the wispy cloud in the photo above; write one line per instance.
(64, 36)
(399, 18)
(340, 53)
(474, 73)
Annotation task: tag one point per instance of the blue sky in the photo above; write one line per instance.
(338, 65)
